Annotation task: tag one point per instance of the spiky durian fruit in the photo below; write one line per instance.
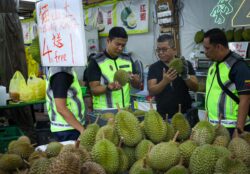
(186, 150)
(127, 126)
(121, 76)
(181, 124)
(154, 126)
(203, 133)
(24, 139)
(203, 160)
(240, 149)
(36, 155)
(53, 149)
(176, 64)
(109, 132)
(228, 165)
(143, 148)
(87, 138)
(10, 162)
(81, 152)
(221, 141)
(164, 155)
(40, 166)
(178, 169)
(107, 115)
(105, 153)
(130, 152)
(21, 148)
(68, 163)
(142, 167)
(246, 136)
(170, 131)
(123, 161)
(199, 36)
(91, 167)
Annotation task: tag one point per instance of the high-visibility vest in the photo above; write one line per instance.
(108, 68)
(217, 101)
(74, 103)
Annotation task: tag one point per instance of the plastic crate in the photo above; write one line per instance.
(7, 134)
(91, 117)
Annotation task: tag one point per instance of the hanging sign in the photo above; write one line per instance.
(61, 33)
(132, 15)
(239, 47)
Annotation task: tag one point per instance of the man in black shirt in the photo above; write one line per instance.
(169, 88)
(64, 103)
(107, 92)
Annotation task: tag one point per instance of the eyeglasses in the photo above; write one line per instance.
(163, 50)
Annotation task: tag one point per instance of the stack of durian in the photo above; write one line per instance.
(232, 35)
(125, 145)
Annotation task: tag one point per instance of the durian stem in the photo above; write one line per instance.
(120, 142)
(206, 116)
(166, 117)
(220, 118)
(180, 108)
(26, 162)
(77, 143)
(175, 136)
(97, 118)
(118, 107)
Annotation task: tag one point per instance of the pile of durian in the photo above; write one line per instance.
(125, 145)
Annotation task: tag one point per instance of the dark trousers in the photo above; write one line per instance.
(66, 135)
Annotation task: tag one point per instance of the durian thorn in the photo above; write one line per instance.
(175, 136)
(121, 141)
(179, 108)
(118, 107)
(26, 162)
(77, 143)
(236, 133)
(97, 118)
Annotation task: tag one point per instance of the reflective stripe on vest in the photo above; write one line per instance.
(108, 68)
(228, 123)
(74, 103)
(217, 101)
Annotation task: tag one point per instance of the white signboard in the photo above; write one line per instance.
(239, 47)
(61, 33)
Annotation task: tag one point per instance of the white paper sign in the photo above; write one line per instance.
(239, 47)
(61, 33)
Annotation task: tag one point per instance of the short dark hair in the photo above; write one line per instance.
(166, 38)
(216, 36)
(117, 32)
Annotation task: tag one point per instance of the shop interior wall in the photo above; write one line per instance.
(196, 16)
(142, 46)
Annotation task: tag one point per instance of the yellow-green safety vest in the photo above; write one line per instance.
(217, 102)
(74, 103)
(108, 68)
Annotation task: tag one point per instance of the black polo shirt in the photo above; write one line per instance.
(174, 94)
